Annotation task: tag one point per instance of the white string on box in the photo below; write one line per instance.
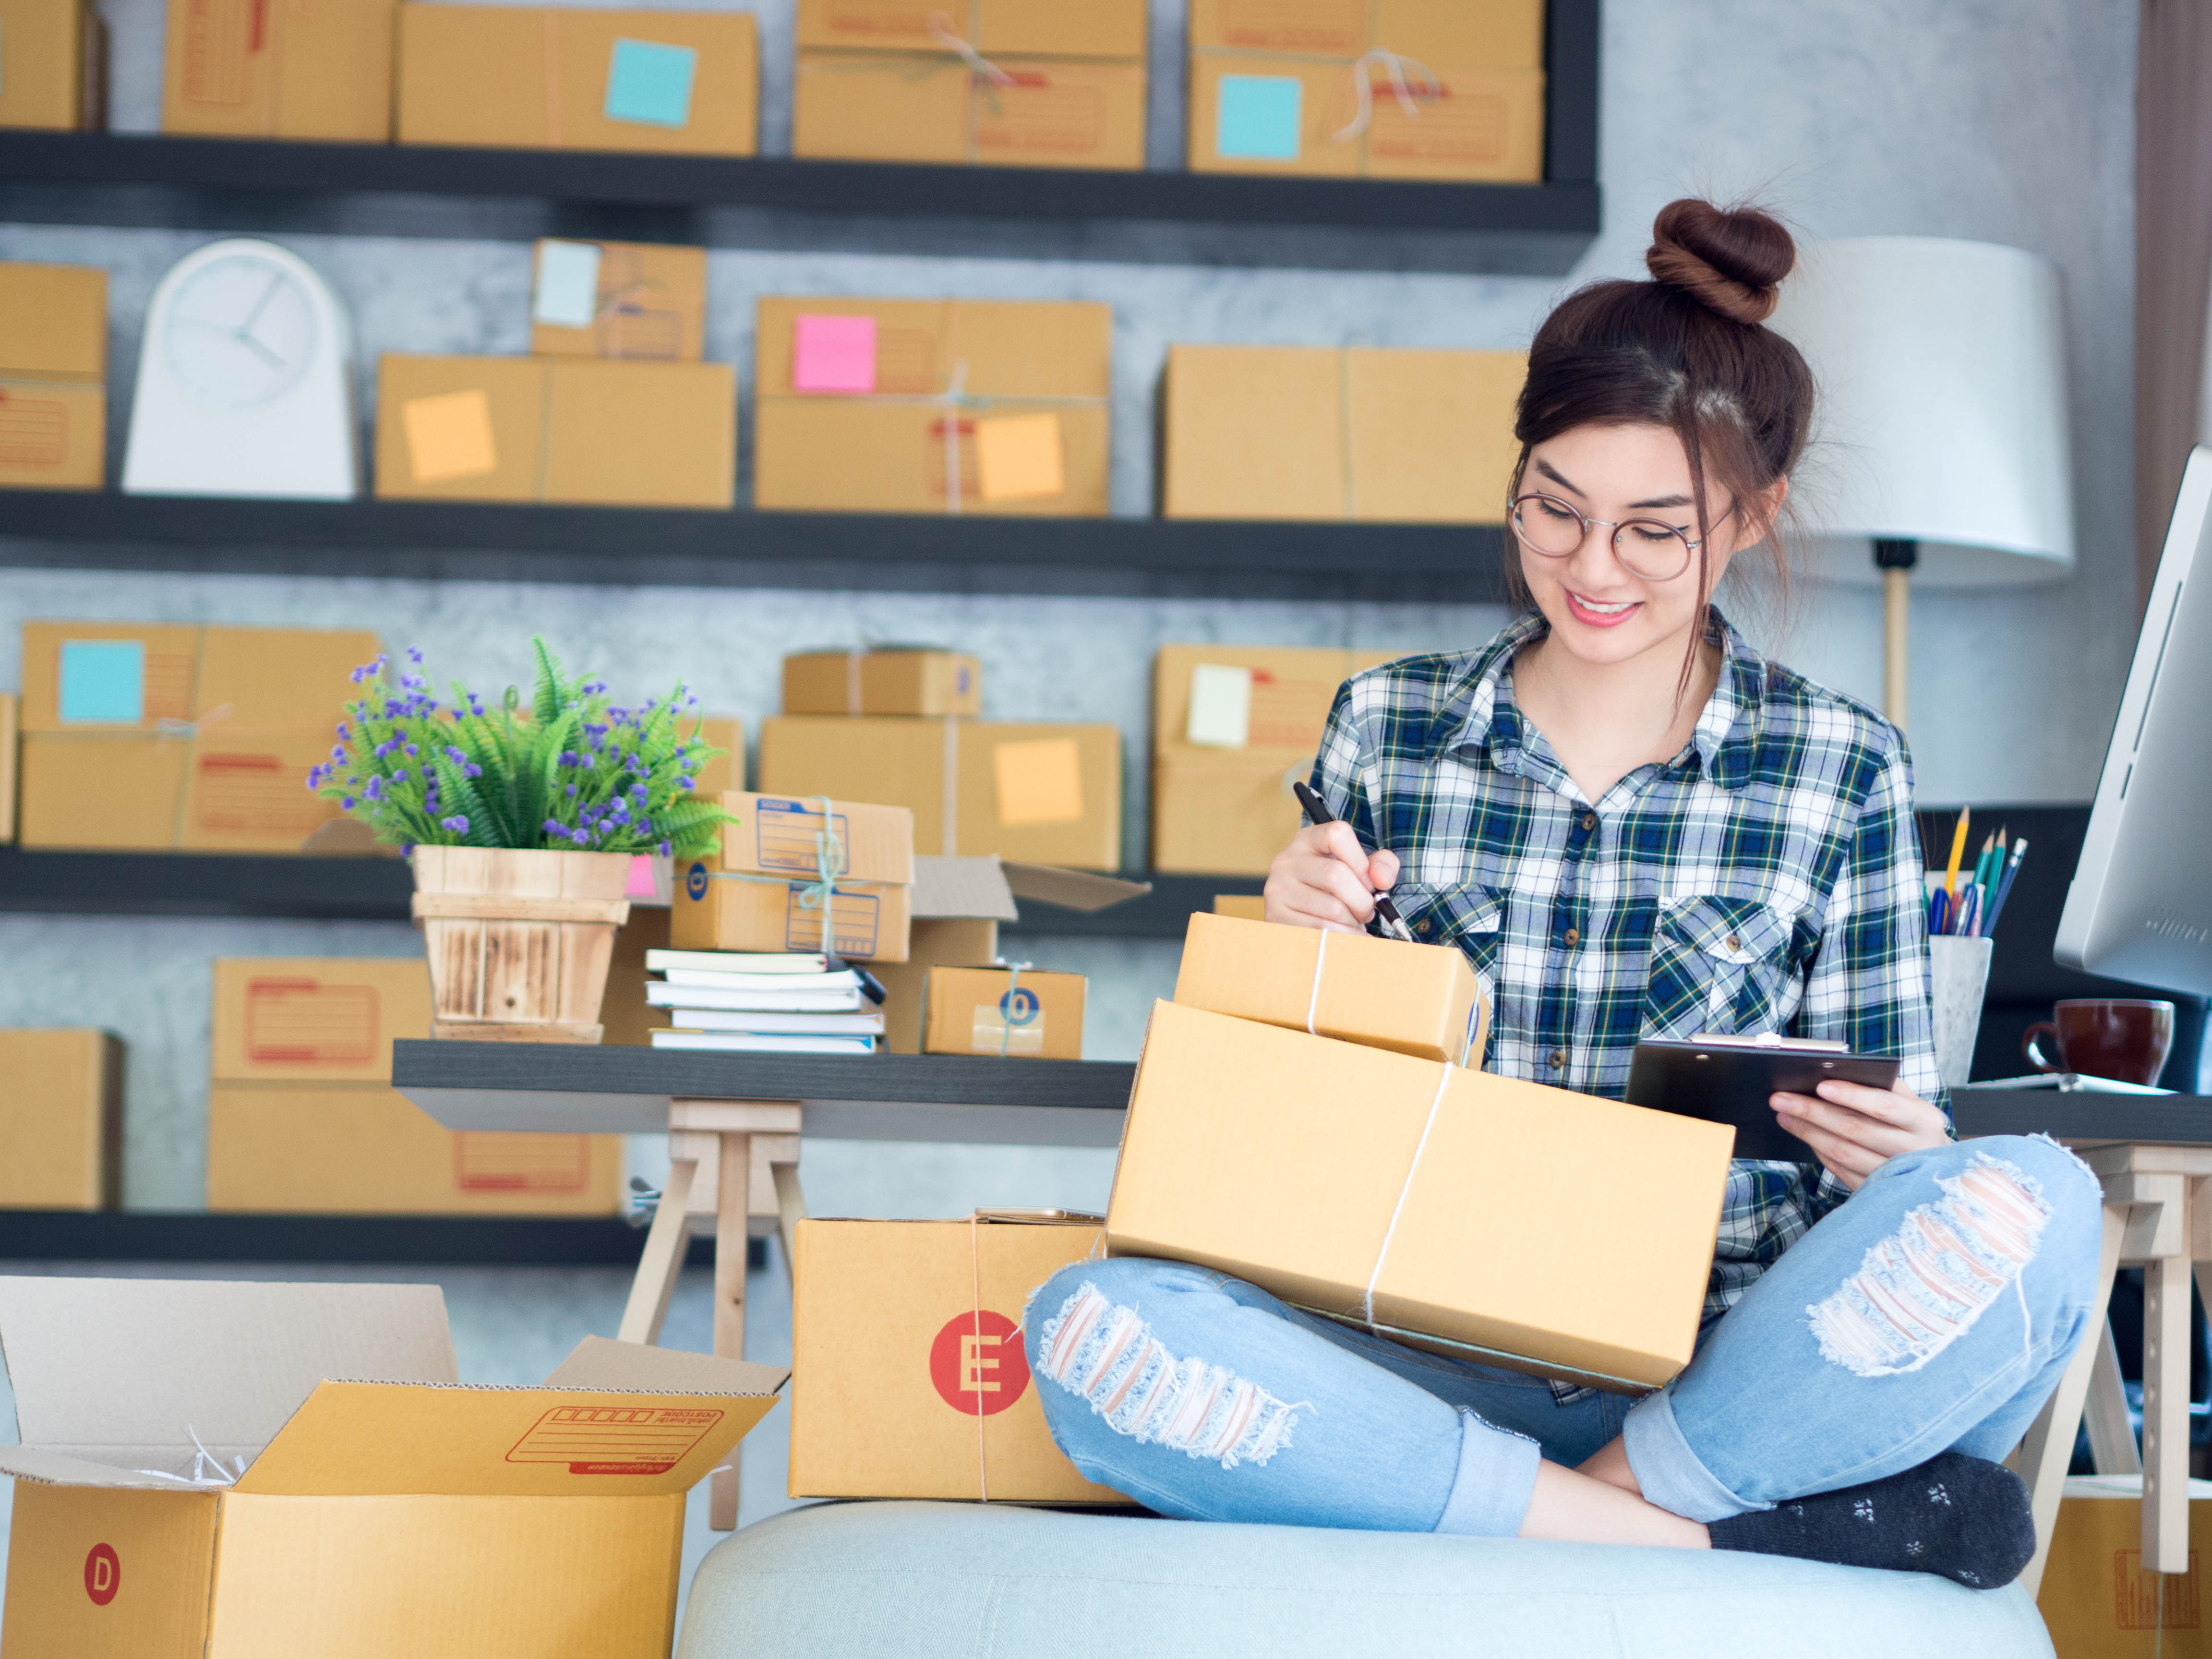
(1394, 65)
(1436, 1101)
(1313, 1000)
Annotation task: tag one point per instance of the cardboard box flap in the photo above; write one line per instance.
(384, 1439)
(1070, 890)
(599, 1363)
(962, 890)
(55, 1468)
(144, 1373)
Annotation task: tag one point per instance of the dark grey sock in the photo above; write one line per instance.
(1965, 1518)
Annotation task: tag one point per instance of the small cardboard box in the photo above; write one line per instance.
(637, 300)
(1396, 1194)
(173, 735)
(1033, 793)
(568, 78)
(933, 107)
(579, 430)
(909, 1374)
(1418, 999)
(1012, 1013)
(11, 728)
(304, 69)
(1365, 433)
(1508, 34)
(301, 1117)
(2098, 1599)
(1102, 28)
(932, 406)
(61, 1119)
(883, 680)
(53, 361)
(396, 1511)
(56, 76)
(758, 891)
(778, 836)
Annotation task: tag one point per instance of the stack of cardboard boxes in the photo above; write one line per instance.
(761, 889)
(53, 369)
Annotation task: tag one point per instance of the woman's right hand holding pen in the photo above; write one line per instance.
(1325, 878)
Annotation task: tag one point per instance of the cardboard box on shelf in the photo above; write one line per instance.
(1418, 999)
(618, 300)
(882, 679)
(2098, 1599)
(578, 430)
(1013, 1013)
(174, 735)
(1105, 29)
(760, 890)
(1368, 433)
(1420, 1219)
(908, 1375)
(53, 367)
(307, 69)
(569, 78)
(57, 71)
(726, 771)
(300, 1116)
(959, 904)
(10, 747)
(1036, 793)
(61, 1119)
(932, 406)
(1245, 906)
(396, 1511)
(1401, 89)
(933, 107)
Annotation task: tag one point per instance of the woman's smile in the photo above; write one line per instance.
(1600, 613)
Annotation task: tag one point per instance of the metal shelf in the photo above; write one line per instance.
(389, 1239)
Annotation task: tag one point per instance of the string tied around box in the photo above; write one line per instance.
(1313, 998)
(1006, 1005)
(975, 1329)
(941, 30)
(829, 865)
(1382, 1255)
(1394, 65)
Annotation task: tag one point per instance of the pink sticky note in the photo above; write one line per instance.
(641, 877)
(833, 354)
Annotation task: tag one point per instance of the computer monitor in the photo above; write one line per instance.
(2141, 905)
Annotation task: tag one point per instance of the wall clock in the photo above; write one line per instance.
(245, 381)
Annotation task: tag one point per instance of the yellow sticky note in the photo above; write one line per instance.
(1018, 457)
(449, 436)
(1039, 782)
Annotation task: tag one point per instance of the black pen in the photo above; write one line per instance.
(1392, 924)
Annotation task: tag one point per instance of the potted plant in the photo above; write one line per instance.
(521, 822)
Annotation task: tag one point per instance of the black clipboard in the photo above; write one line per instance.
(1729, 1082)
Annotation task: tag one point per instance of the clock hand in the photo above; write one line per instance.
(254, 345)
(259, 305)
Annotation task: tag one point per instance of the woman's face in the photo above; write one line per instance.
(1600, 611)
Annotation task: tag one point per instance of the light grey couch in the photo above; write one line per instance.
(933, 1580)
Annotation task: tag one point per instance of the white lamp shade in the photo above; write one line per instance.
(1941, 409)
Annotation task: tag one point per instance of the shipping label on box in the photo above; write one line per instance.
(301, 68)
(720, 909)
(1101, 28)
(935, 107)
(55, 76)
(1420, 1221)
(782, 836)
(315, 1020)
(910, 1377)
(618, 300)
(61, 1119)
(883, 680)
(1013, 1013)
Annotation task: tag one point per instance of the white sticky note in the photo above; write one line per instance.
(1220, 706)
(568, 285)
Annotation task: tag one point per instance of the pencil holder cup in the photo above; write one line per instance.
(1958, 974)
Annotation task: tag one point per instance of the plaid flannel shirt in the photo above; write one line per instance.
(1766, 878)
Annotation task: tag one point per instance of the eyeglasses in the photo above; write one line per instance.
(1649, 548)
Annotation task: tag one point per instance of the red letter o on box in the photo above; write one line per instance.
(103, 1575)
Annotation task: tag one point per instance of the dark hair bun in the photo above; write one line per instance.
(1730, 260)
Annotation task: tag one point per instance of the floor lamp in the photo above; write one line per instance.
(1941, 435)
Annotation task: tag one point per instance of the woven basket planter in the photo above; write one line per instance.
(519, 942)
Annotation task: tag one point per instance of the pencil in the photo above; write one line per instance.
(1958, 852)
(2004, 884)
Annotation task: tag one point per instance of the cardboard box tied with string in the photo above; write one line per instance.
(814, 874)
(627, 300)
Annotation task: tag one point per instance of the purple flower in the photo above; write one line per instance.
(554, 827)
(344, 730)
(683, 783)
(580, 836)
(662, 849)
(411, 751)
(456, 822)
(400, 776)
(413, 653)
(572, 791)
(346, 801)
(336, 753)
(375, 790)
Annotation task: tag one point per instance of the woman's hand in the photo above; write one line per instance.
(1854, 1130)
(1325, 878)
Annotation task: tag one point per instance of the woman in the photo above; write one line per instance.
(1633, 824)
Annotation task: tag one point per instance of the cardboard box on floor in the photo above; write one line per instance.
(929, 406)
(302, 1117)
(1473, 89)
(1373, 1187)
(1033, 793)
(1021, 1014)
(1233, 727)
(759, 889)
(1418, 999)
(894, 679)
(909, 1374)
(56, 76)
(1373, 435)
(61, 1119)
(642, 299)
(306, 68)
(2098, 1599)
(567, 78)
(174, 735)
(396, 1511)
(584, 431)
(53, 367)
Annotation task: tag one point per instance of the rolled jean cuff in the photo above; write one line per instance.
(1496, 1479)
(1667, 1472)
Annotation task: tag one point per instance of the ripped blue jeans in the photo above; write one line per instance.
(1935, 1309)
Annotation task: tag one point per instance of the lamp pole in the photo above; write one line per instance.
(1895, 556)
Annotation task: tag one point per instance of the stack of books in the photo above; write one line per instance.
(764, 1002)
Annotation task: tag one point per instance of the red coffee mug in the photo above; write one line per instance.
(2114, 1037)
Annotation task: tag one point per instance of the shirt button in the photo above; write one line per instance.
(1733, 943)
(1589, 820)
(1424, 925)
(1574, 936)
(1559, 1058)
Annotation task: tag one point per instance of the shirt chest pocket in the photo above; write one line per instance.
(1468, 918)
(1721, 965)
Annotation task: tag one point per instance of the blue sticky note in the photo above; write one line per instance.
(651, 83)
(1257, 118)
(103, 680)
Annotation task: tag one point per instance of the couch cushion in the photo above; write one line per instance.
(932, 1581)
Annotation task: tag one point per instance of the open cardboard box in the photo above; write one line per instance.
(229, 1469)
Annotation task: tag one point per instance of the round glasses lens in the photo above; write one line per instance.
(1645, 547)
(1547, 525)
